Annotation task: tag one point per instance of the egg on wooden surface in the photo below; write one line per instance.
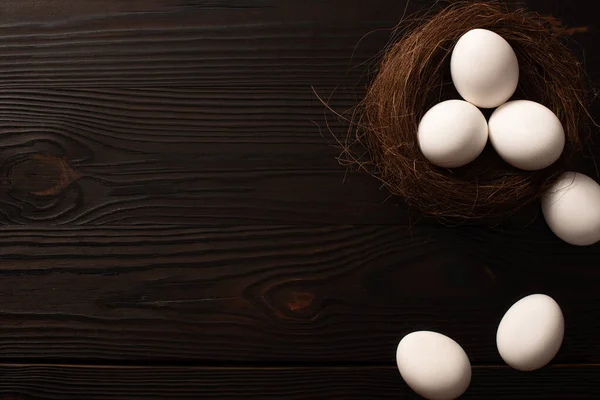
(572, 209)
(484, 68)
(526, 134)
(531, 332)
(433, 365)
(452, 133)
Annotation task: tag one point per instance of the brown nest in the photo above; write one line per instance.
(414, 76)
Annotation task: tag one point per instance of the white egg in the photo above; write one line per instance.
(526, 134)
(452, 133)
(433, 365)
(572, 209)
(484, 68)
(531, 332)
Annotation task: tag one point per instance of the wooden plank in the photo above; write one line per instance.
(178, 156)
(280, 294)
(37, 382)
(182, 156)
(167, 42)
(214, 43)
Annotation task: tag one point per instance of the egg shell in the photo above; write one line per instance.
(452, 133)
(526, 134)
(531, 332)
(433, 365)
(572, 209)
(484, 68)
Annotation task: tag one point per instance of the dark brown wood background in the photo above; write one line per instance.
(174, 223)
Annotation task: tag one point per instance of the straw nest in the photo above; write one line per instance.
(414, 75)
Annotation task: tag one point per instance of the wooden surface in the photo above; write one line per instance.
(174, 223)
(69, 382)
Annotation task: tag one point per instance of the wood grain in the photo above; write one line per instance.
(177, 156)
(182, 156)
(255, 43)
(169, 195)
(280, 294)
(224, 128)
(172, 42)
(64, 382)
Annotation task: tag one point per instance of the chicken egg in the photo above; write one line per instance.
(433, 365)
(484, 68)
(572, 209)
(452, 133)
(531, 332)
(526, 134)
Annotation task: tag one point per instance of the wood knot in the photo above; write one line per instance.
(41, 175)
(300, 300)
(292, 301)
